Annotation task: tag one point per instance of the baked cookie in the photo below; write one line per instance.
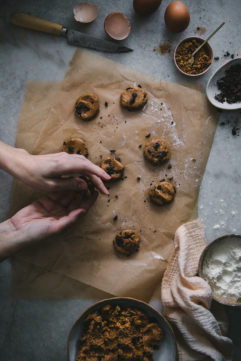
(162, 192)
(113, 167)
(127, 242)
(87, 106)
(133, 98)
(157, 151)
(75, 146)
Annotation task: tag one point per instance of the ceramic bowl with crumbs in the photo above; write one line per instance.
(122, 328)
(220, 266)
(202, 60)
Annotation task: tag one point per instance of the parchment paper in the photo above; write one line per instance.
(181, 115)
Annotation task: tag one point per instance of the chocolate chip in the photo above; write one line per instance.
(115, 218)
(140, 145)
(149, 151)
(139, 86)
(64, 143)
(156, 146)
(138, 179)
(81, 107)
(112, 150)
(169, 166)
(216, 58)
(133, 98)
(106, 104)
(70, 149)
(110, 170)
(116, 196)
(161, 155)
(148, 135)
(118, 158)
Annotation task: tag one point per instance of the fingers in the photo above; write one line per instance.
(98, 183)
(75, 163)
(75, 184)
(61, 223)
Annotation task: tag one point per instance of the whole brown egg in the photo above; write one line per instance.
(146, 7)
(177, 16)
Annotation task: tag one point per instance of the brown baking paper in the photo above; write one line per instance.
(84, 252)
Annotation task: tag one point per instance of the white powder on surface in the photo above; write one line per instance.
(222, 267)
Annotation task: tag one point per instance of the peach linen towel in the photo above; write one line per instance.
(186, 300)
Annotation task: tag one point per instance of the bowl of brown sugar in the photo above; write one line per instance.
(202, 59)
(121, 328)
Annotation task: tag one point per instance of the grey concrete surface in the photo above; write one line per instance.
(37, 330)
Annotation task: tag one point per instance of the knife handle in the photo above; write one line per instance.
(34, 23)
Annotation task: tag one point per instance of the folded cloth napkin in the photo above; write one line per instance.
(186, 300)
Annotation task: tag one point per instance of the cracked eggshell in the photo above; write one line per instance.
(117, 26)
(85, 13)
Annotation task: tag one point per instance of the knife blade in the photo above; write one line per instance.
(74, 37)
(77, 38)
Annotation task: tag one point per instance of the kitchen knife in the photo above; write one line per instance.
(74, 37)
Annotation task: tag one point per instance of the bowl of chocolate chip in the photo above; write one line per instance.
(224, 87)
(121, 328)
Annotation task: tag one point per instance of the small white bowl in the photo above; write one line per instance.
(212, 89)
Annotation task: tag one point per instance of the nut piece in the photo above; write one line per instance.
(127, 242)
(113, 167)
(133, 98)
(157, 151)
(75, 146)
(87, 106)
(162, 193)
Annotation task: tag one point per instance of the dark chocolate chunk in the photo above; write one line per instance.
(81, 107)
(156, 146)
(70, 149)
(133, 98)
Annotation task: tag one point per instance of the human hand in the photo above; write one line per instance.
(52, 172)
(42, 218)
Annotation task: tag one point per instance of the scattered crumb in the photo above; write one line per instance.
(163, 48)
(201, 30)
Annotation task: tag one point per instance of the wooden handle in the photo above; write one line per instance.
(34, 23)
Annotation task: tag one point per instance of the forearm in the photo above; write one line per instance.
(10, 158)
(10, 240)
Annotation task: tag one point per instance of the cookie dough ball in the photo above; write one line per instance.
(157, 151)
(87, 106)
(127, 242)
(113, 167)
(162, 192)
(75, 146)
(133, 98)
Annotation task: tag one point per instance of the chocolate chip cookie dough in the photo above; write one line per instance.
(127, 242)
(114, 332)
(75, 146)
(133, 98)
(113, 167)
(157, 151)
(162, 193)
(87, 106)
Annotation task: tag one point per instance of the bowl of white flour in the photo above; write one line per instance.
(220, 266)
